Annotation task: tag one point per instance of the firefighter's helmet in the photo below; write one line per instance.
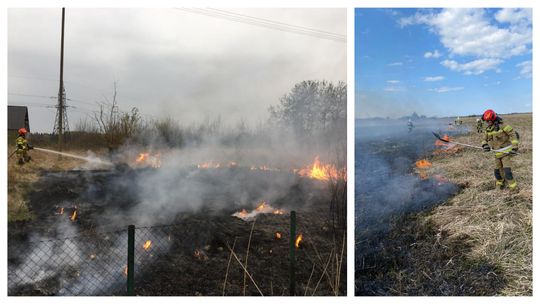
(489, 115)
(22, 131)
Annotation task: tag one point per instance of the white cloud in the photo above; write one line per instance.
(433, 78)
(514, 16)
(393, 81)
(395, 64)
(446, 89)
(434, 54)
(475, 67)
(469, 32)
(526, 69)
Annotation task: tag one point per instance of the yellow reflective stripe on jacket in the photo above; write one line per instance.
(21, 143)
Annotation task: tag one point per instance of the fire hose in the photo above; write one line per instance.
(29, 148)
(501, 150)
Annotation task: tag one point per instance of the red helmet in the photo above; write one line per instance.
(489, 115)
(22, 131)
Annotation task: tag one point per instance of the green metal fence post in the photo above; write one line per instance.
(131, 261)
(292, 259)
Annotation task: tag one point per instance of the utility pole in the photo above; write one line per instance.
(61, 123)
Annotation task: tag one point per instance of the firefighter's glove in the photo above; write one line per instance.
(514, 150)
(30, 147)
(486, 148)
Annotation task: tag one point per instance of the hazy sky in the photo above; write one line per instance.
(443, 62)
(167, 62)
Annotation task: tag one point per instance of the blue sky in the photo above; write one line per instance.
(442, 62)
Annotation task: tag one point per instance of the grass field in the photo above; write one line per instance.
(479, 242)
(497, 224)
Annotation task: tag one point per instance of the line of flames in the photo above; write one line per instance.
(316, 170)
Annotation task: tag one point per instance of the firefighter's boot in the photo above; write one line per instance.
(499, 180)
(510, 181)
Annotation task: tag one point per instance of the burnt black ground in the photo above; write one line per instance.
(170, 267)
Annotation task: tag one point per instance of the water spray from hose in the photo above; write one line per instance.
(88, 159)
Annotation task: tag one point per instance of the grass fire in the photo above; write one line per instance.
(429, 219)
(214, 204)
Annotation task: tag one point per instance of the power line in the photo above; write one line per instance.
(95, 104)
(285, 27)
(279, 23)
(53, 97)
(268, 24)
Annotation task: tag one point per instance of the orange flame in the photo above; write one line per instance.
(74, 215)
(277, 235)
(263, 207)
(241, 214)
(445, 147)
(61, 210)
(298, 240)
(423, 164)
(147, 245)
(150, 160)
(319, 171)
(442, 143)
(125, 270)
(142, 157)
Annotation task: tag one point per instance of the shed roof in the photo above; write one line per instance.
(18, 118)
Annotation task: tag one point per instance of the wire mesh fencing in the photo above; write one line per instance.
(80, 265)
(270, 255)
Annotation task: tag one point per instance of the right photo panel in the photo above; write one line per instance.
(443, 152)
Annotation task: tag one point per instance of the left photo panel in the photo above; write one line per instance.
(177, 152)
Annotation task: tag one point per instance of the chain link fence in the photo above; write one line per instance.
(206, 256)
(80, 265)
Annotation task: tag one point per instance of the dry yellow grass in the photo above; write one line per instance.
(497, 225)
(21, 178)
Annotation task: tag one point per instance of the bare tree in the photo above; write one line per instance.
(116, 126)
